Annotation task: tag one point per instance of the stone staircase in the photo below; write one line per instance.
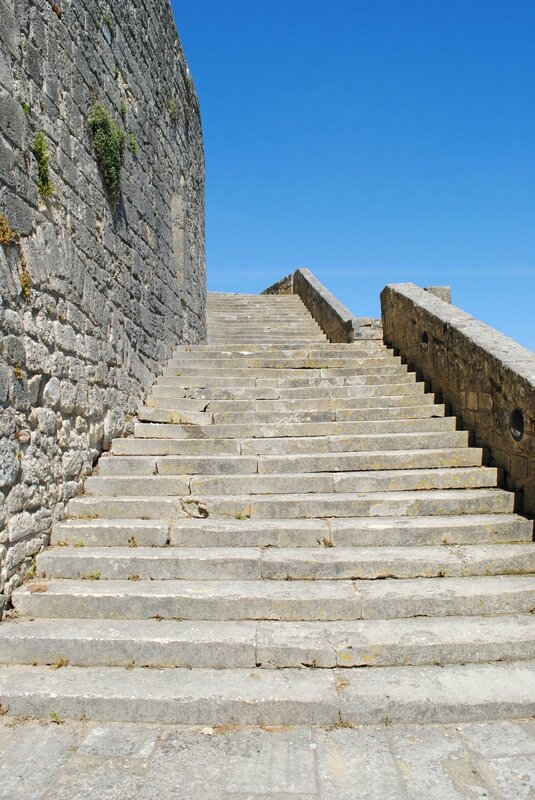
(297, 533)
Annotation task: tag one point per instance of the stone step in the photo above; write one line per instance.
(358, 532)
(285, 423)
(387, 395)
(315, 462)
(299, 381)
(394, 480)
(392, 371)
(357, 364)
(456, 693)
(237, 338)
(279, 645)
(279, 564)
(362, 355)
(323, 348)
(297, 506)
(308, 397)
(277, 599)
(433, 439)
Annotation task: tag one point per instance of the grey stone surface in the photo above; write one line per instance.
(339, 324)
(81, 761)
(483, 375)
(109, 291)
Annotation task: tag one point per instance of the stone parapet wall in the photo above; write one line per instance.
(487, 379)
(335, 320)
(95, 290)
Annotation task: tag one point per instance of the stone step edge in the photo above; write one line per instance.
(267, 645)
(272, 697)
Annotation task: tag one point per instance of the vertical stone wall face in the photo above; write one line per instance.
(93, 294)
(486, 378)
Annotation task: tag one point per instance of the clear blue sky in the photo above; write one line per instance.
(373, 141)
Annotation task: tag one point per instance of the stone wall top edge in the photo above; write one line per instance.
(489, 341)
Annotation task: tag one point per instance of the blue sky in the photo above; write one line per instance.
(372, 141)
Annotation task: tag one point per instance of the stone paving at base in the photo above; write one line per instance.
(87, 761)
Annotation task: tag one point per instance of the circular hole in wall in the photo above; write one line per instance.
(516, 425)
(424, 340)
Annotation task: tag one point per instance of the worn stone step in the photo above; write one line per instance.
(291, 445)
(276, 425)
(353, 386)
(381, 365)
(172, 696)
(289, 347)
(279, 645)
(322, 371)
(302, 380)
(308, 392)
(385, 695)
(315, 462)
(277, 599)
(176, 417)
(362, 355)
(154, 643)
(238, 339)
(399, 642)
(358, 532)
(110, 533)
(279, 564)
(297, 506)
(299, 483)
(332, 415)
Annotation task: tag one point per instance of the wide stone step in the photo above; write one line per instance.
(320, 370)
(456, 693)
(258, 399)
(277, 599)
(279, 564)
(285, 422)
(323, 348)
(401, 480)
(433, 439)
(358, 532)
(379, 365)
(315, 462)
(280, 645)
(362, 354)
(296, 506)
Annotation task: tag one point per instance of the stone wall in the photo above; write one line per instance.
(95, 287)
(335, 320)
(487, 379)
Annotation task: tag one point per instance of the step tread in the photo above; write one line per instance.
(271, 697)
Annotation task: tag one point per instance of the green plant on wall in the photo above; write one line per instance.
(132, 144)
(171, 106)
(42, 156)
(107, 138)
(7, 234)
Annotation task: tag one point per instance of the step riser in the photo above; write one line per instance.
(380, 481)
(294, 507)
(273, 645)
(243, 465)
(409, 418)
(274, 698)
(168, 397)
(382, 366)
(297, 445)
(297, 533)
(362, 602)
(251, 395)
(322, 372)
(252, 564)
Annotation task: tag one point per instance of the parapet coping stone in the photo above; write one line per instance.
(509, 353)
